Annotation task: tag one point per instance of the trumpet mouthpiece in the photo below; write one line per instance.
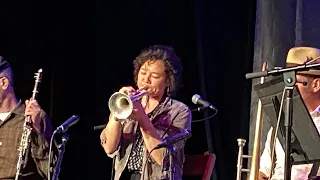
(145, 87)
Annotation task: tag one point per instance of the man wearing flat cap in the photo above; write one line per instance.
(308, 84)
(12, 117)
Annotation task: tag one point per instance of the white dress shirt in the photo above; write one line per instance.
(298, 172)
(3, 116)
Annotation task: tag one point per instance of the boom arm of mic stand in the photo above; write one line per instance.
(61, 148)
(273, 72)
(99, 127)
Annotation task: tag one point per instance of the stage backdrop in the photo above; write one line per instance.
(280, 25)
(86, 51)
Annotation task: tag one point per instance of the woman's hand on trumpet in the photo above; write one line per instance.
(138, 112)
(128, 90)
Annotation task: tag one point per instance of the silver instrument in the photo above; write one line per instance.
(27, 128)
(255, 158)
(120, 104)
(241, 144)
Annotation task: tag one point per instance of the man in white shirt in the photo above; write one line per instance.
(308, 84)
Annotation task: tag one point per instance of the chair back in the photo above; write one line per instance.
(199, 165)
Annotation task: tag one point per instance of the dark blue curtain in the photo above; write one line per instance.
(225, 35)
(281, 25)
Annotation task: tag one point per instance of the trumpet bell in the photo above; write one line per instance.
(120, 105)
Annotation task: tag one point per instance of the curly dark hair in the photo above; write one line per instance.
(173, 66)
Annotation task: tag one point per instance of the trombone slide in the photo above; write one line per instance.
(255, 158)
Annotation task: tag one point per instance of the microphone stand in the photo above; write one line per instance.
(171, 167)
(290, 81)
(289, 78)
(61, 148)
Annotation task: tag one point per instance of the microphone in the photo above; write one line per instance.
(171, 140)
(196, 99)
(65, 126)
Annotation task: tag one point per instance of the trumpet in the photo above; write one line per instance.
(255, 158)
(241, 144)
(120, 104)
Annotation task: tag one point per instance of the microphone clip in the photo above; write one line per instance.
(199, 109)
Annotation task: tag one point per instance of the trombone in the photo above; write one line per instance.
(255, 158)
(121, 104)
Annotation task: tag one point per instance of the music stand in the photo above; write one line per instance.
(305, 139)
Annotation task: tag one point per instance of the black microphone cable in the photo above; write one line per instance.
(203, 119)
(50, 154)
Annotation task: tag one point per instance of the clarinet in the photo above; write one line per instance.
(27, 128)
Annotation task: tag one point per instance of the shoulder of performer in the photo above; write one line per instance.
(181, 114)
(179, 106)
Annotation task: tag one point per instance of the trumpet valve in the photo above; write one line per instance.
(246, 156)
(245, 170)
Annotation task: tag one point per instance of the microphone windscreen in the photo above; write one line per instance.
(195, 98)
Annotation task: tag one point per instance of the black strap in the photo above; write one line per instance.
(273, 136)
(314, 170)
(276, 105)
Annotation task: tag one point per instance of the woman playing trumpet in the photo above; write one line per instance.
(154, 117)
